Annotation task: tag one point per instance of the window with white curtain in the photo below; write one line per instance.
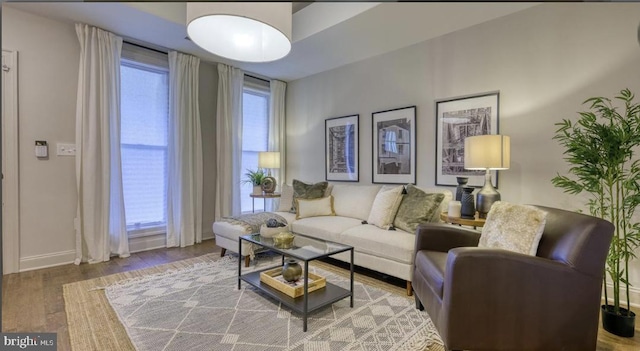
(255, 131)
(144, 103)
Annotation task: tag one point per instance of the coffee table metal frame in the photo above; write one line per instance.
(306, 303)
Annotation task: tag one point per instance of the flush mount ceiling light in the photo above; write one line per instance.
(242, 31)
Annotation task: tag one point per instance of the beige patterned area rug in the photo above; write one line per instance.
(196, 306)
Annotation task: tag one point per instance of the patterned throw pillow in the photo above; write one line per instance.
(416, 207)
(385, 206)
(513, 227)
(303, 190)
(315, 207)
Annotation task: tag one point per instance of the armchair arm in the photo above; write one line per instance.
(444, 237)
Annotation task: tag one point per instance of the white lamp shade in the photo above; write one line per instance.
(269, 159)
(487, 152)
(242, 31)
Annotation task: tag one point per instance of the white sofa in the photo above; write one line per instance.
(387, 251)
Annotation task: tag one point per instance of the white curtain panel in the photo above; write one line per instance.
(184, 154)
(101, 225)
(277, 130)
(228, 141)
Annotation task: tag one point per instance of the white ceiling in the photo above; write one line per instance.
(325, 35)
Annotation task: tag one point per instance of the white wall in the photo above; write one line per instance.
(47, 79)
(544, 61)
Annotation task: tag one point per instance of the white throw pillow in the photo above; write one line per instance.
(286, 198)
(314, 207)
(385, 206)
(513, 227)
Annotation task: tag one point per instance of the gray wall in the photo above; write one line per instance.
(544, 61)
(48, 57)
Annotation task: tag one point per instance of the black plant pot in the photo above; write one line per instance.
(622, 324)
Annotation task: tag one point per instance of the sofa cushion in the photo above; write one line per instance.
(303, 190)
(315, 207)
(385, 206)
(431, 265)
(396, 245)
(513, 227)
(416, 207)
(326, 227)
(354, 201)
(286, 198)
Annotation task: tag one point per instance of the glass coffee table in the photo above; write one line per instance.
(304, 249)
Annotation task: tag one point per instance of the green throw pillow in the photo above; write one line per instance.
(307, 191)
(416, 207)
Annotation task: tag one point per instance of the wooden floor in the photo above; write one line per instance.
(32, 301)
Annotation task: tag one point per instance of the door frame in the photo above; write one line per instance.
(10, 180)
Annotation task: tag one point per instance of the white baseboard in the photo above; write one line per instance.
(208, 235)
(54, 259)
(47, 260)
(634, 295)
(145, 243)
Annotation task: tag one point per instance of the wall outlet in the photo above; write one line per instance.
(66, 149)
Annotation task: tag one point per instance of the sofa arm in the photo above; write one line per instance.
(444, 237)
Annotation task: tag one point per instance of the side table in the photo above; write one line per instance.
(264, 197)
(475, 222)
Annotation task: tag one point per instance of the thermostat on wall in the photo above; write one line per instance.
(42, 150)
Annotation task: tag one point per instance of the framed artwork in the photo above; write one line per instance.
(341, 148)
(394, 146)
(458, 118)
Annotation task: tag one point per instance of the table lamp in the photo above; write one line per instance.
(269, 160)
(487, 152)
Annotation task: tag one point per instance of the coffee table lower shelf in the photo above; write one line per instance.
(317, 299)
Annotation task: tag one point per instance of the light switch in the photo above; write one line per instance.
(66, 149)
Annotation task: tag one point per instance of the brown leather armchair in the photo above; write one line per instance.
(488, 299)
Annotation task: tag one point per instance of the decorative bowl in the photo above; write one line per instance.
(267, 232)
(283, 240)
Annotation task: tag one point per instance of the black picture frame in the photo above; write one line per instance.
(457, 118)
(394, 146)
(341, 140)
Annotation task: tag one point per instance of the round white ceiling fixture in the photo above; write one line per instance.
(242, 31)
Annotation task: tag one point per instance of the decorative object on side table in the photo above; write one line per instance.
(455, 208)
(611, 179)
(394, 146)
(283, 240)
(255, 178)
(468, 208)
(487, 152)
(457, 119)
(269, 160)
(341, 140)
(292, 270)
(462, 182)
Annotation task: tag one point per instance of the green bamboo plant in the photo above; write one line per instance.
(600, 148)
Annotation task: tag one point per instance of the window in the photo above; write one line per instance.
(255, 131)
(144, 103)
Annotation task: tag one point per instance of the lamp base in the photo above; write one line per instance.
(486, 197)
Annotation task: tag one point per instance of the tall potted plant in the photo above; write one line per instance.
(600, 148)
